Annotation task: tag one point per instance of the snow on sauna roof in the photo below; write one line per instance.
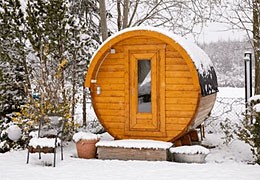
(198, 56)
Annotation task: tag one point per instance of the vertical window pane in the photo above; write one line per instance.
(144, 86)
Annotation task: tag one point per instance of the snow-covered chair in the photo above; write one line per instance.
(49, 136)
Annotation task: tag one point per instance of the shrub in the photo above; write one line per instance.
(7, 144)
(250, 130)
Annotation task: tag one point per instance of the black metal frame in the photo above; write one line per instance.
(58, 135)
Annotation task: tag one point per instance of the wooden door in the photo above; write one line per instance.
(146, 92)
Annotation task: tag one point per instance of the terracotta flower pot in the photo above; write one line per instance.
(87, 148)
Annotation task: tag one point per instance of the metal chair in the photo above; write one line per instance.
(49, 136)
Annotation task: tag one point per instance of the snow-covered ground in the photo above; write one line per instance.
(230, 92)
(231, 162)
(223, 162)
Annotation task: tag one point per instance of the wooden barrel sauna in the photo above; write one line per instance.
(147, 83)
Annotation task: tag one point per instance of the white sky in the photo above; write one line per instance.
(217, 31)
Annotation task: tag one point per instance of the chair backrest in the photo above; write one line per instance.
(51, 125)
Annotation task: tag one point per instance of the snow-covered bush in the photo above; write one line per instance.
(229, 128)
(34, 110)
(250, 131)
(95, 127)
(12, 136)
(14, 132)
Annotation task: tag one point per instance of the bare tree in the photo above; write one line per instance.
(244, 15)
(103, 19)
(178, 16)
(256, 43)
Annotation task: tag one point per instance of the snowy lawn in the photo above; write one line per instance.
(223, 162)
(229, 162)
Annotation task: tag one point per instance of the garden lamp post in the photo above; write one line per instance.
(248, 75)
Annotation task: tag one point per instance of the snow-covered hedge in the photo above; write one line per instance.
(251, 127)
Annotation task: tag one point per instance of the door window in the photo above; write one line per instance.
(144, 86)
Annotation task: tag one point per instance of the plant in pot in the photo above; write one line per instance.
(86, 144)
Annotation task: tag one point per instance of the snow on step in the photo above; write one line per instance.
(135, 144)
(196, 149)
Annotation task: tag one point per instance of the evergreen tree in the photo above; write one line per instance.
(84, 39)
(14, 81)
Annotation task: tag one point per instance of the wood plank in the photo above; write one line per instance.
(178, 74)
(103, 99)
(140, 41)
(176, 67)
(184, 87)
(175, 107)
(120, 153)
(173, 54)
(143, 116)
(175, 127)
(185, 94)
(112, 68)
(111, 93)
(203, 113)
(171, 121)
(127, 92)
(205, 106)
(112, 87)
(186, 140)
(110, 80)
(144, 125)
(173, 133)
(117, 55)
(182, 114)
(208, 99)
(116, 133)
(110, 118)
(192, 101)
(145, 133)
(180, 80)
(109, 112)
(170, 48)
(194, 136)
(113, 61)
(161, 92)
(111, 74)
(175, 61)
(112, 106)
(116, 126)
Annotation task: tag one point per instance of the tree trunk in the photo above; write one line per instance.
(73, 106)
(27, 77)
(256, 16)
(119, 16)
(103, 19)
(84, 107)
(125, 13)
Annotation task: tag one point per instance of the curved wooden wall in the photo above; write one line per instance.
(184, 108)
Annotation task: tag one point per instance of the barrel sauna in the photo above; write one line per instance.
(147, 83)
